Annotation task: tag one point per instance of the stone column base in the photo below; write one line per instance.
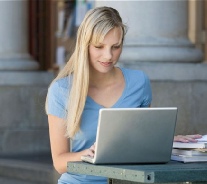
(161, 54)
(18, 64)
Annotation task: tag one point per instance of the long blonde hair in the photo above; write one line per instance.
(96, 24)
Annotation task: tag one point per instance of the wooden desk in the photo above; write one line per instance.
(173, 172)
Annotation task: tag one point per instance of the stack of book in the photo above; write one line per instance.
(190, 152)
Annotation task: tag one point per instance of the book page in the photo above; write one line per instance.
(201, 150)
(202, 139)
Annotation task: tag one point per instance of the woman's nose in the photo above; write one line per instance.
(107, 54)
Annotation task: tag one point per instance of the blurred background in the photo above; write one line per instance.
(166, 39)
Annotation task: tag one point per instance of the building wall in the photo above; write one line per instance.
(23, 122)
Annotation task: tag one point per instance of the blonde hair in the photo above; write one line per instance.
(96, 24)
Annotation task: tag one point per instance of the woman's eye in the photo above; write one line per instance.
(116, 47)
(98, 47)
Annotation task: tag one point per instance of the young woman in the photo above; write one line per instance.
(91, 81)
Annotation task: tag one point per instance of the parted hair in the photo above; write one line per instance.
(95, 25)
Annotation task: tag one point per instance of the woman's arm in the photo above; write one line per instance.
(187, 138)
(60, 145)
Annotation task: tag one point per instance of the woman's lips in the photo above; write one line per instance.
(106, 64)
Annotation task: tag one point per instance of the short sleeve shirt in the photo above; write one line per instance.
(136, 94)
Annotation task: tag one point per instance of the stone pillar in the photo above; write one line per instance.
(23, 122)
(158, 31)
(14, 36)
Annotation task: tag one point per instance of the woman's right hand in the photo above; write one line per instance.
(90, 151)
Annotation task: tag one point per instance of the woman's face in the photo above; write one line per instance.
(104, 56)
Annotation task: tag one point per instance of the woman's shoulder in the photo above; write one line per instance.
(60, 86)
(57, 97)
(62, 83)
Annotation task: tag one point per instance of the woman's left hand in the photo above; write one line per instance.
(187, 138)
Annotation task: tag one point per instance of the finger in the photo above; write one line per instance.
(196, 136)
(192, 140)
(92, 147)
(183, 140)
(90, 152)
(180, 139)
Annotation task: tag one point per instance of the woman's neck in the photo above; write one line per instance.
(100, 80)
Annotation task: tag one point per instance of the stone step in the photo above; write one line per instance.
(4, 180)
(26, 172)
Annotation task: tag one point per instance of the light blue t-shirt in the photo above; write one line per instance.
(137, 93)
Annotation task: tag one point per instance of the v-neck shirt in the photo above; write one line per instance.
(137, 93)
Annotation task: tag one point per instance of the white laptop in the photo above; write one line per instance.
(134, 135)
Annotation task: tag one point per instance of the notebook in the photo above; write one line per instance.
(134, 135)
